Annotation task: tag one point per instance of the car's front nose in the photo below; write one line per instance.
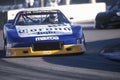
(65, 45)
(66, 49)
(65, 41)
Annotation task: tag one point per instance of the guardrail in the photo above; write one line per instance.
(83, 12)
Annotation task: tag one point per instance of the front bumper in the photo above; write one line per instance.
(27, 51)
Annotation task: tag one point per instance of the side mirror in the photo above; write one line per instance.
(71, 18)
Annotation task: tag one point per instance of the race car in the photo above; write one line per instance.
(42, 33)
(110, 18)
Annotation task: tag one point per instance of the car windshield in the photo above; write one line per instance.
(41, 17)
(115, 6)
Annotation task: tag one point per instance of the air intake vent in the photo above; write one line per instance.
(47, 46)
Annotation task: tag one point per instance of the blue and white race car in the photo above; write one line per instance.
(40, 33)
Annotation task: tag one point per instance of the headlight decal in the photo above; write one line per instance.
(118, 13)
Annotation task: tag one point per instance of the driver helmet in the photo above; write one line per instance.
(53, 18)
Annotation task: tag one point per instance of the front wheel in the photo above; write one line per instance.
(3, 52)
(6, 46)
(83, 43)
(100, 25)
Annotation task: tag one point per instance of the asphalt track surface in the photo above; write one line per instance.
(89, 66)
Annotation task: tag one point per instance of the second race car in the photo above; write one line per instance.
(110, 18)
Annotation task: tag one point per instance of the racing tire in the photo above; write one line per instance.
(99, 26)
(84, 43)
(6, 53)
(3, 52)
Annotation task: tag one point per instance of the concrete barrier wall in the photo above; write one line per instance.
(80, 12)
(83, 12)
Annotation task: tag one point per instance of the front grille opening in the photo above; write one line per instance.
(25, 52)
(69, 49)
(47, 46)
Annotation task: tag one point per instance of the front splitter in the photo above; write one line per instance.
(28, 51)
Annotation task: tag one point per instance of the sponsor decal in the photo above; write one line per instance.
(47, 38)
(44, 30)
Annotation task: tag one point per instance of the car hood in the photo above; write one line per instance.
(43, 30)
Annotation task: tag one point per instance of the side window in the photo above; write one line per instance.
(20, 20)
(62, 18)
(116, 6)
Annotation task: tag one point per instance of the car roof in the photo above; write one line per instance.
(36, 10)
(39, 9)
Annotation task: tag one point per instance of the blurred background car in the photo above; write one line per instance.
(110, 18)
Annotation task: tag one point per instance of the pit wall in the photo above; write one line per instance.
(79, 12)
